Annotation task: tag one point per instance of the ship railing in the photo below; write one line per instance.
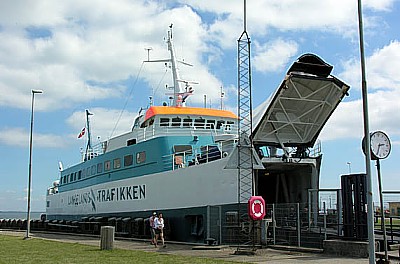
(272, 153)
(198, 156)
(206, 129)
(316, 150)
(95, 151)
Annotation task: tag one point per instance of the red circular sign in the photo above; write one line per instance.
(256, 208)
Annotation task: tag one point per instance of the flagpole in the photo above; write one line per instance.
(89, 142)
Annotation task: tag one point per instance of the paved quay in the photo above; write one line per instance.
(266, 255)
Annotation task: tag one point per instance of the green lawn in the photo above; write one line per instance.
(17, 250)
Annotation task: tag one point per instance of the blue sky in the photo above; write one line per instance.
(88, 55)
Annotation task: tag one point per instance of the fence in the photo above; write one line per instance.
(298, 224)
(391, 211)
(291, 224)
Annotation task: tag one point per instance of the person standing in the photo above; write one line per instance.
(159, 229)
(152, 227)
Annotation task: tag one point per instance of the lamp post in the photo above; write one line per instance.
(364, 90)
(349, 164)
(28, 214)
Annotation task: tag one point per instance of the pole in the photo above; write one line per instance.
(383, 224)
(28, 214)
(370, 209)
(222, 96)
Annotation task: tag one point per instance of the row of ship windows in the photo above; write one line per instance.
(189, 122)
(95, 169)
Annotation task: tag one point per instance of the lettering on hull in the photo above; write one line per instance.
(115, 194)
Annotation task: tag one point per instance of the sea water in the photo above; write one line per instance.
(18, 215)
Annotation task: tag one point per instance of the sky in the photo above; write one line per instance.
(89, 55)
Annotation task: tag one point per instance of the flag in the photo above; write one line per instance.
(82, 132)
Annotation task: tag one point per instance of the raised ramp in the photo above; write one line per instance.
(297, 111)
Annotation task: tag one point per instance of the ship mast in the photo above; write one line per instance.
(180, 94)
(178, 91)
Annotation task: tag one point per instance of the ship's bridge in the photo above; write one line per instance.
(160, 121)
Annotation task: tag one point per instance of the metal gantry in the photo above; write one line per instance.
(245, 146)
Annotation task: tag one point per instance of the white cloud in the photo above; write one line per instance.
(86, 58)
(103, 122)
(381, 5)
(334, 15)
(383, 99)
(345, 122)
(273, 56)
(381, 69)
(94, 46)
(19, 137)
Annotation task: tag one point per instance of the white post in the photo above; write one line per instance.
(28, 214)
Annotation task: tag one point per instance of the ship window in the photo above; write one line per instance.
(128, 160)
(65, 179)
(151, 122)
(117, 163)
(210, 124)
(176, 122)
(187, 122)
(79, 175)
(187, 149)
(164, 121)
(74, 176)
(140, 157)
(220, 123)
(199, 122)
(71, 177)
(61, 180)
(107, 165)
(196, 225)
(83, 173)
(131, 142)
(88, 172)
(93, 169)
(99, 167)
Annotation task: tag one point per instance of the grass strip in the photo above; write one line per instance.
(16, 250)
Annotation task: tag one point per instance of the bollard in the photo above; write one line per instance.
(107, 237)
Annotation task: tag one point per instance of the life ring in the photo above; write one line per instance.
(257, 208)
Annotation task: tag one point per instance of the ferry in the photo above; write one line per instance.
(182, 161)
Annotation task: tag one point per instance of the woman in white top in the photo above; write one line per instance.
(159, 227)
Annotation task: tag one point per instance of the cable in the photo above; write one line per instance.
(159, 83)
(126, 102)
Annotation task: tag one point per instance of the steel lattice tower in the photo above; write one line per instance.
(245, 146)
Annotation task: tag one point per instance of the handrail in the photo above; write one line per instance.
(199, 155)
(150, 132)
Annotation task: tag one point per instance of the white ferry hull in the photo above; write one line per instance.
(195, 186)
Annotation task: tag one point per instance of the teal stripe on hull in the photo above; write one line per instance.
(156, 151)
